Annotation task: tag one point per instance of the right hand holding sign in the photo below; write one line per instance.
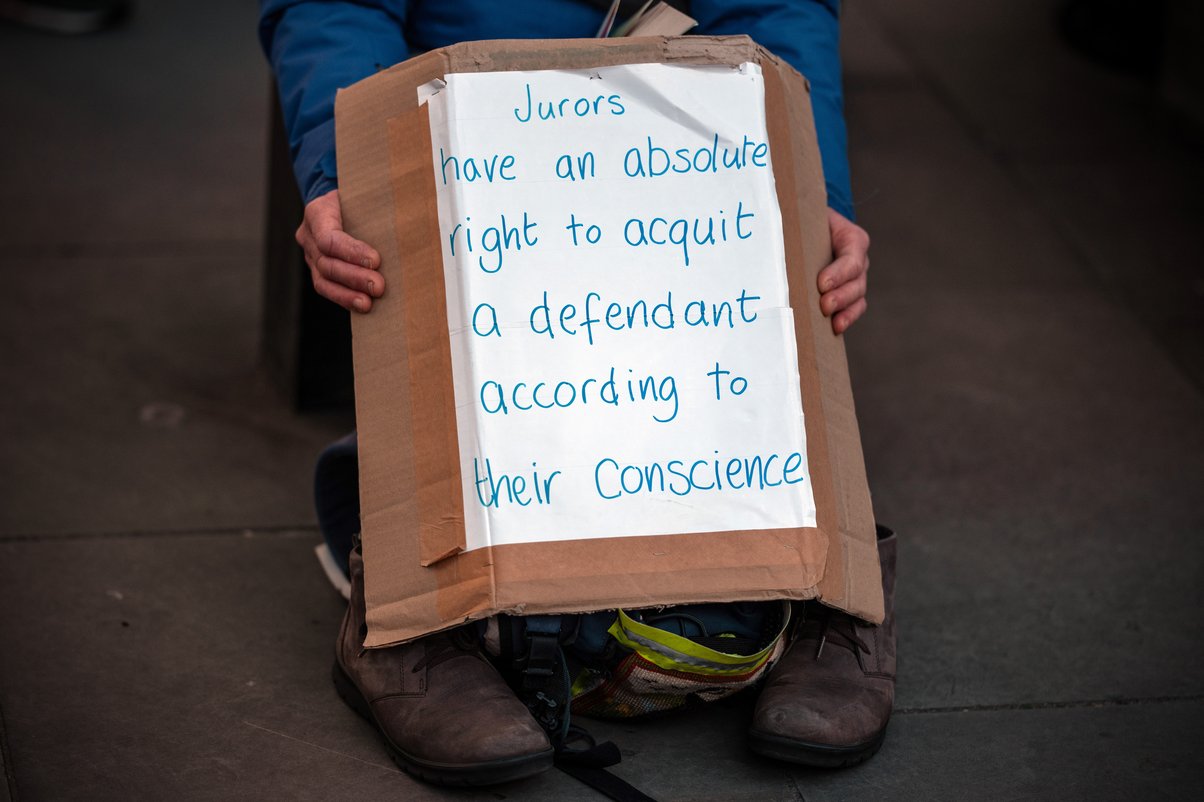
(343, 269)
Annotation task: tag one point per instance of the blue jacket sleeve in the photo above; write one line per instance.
(315, 49)
(806, 33)
(318, 46)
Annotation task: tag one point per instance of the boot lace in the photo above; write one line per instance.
(823, 624)
(443, 646)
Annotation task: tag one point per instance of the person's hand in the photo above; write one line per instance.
(343, 269)
(842, 284)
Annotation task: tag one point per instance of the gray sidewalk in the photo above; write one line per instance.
(1028, 380)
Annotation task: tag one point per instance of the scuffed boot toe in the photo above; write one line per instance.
(828, 701)
(840, 729)
(445, 713)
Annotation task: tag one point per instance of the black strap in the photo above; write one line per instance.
(533, 654)
(604, 782)
(589, 764)
(544, 684)
(543, 659)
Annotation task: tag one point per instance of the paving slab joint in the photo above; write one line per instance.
(1115, 701)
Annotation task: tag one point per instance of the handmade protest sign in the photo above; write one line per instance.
(482, 368)
(622, 344)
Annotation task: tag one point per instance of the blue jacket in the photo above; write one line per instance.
(317, 47)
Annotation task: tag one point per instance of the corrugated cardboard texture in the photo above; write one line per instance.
(418, 579)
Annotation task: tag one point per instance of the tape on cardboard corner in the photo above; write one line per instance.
(434, 435)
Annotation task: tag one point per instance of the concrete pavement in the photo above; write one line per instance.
(1029, 385)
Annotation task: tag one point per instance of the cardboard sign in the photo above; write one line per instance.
(600, 377)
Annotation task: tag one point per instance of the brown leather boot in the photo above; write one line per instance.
(446, 714)
(828, 701)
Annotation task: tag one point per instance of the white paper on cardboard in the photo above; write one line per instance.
(623, 350)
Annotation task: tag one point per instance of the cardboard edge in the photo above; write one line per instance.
(852, 578)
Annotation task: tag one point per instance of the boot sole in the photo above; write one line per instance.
(466, 774)
(820, 756)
